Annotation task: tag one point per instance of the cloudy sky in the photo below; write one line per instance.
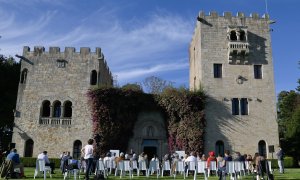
(141, 38)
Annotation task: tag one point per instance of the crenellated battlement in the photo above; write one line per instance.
(228, 15)
(39, 50)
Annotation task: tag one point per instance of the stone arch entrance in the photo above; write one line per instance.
(150, 147)
(149, 134)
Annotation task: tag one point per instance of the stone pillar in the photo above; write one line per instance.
(62, 111)
(238, 35)
(51, 111)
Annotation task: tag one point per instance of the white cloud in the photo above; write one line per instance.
(126, 75)
(153, 45)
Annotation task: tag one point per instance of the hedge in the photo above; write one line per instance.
(30, 161)
(288, 162)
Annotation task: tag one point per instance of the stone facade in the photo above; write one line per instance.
(231, 59)
(150, 134)
(52, 112)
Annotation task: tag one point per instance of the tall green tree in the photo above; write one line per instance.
(289, 122)
(9, 80)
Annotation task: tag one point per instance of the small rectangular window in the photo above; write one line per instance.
(217, 70)
(235, 106)
(257, 71)
(61, 63)
(244, 106)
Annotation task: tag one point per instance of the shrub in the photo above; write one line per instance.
(31, 161)
(28, 161)
(288, 162)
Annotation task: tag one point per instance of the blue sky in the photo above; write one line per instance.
(141, 38)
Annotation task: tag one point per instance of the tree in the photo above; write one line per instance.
(289, 122)
(156, 85)
(134, 87)
(9, 81)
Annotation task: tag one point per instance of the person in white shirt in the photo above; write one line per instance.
(44, 156)
(87, 150)
(191, 158)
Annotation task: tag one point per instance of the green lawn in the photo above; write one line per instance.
(289, 174)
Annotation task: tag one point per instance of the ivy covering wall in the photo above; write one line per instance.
(115, 111)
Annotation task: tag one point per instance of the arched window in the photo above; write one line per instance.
(56, 109)
(93, 77)
(45, 111)
(242, 36)
(233, 36)
(262, 148)
(24, 76)
(220, 148)
(68, 109)
(28, 148)
(77, 149)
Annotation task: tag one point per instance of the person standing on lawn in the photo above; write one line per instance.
(280, 155)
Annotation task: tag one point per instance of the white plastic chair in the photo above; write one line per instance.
(270, 167)
(75, 172)
(153, 167)
(192, 166)
(247, 166)
(142, 167)
(212, 167)
(134, 166)
(101, 168)
(120, 168)
(237, 168)
(111, 164)
(82, 166)
(230, 169)
(201, 166)
(165, 167)
(180, 169)
(127, 168)
(123, 167)
(41, 167)
(242, 168)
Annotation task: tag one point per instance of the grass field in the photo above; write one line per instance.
(289, 174)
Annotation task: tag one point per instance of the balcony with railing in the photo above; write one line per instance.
(64, 121)
(238, 50)
(236, 47)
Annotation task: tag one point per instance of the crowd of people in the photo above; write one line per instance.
(89, 161)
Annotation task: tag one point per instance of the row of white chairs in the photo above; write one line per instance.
(237, 169)
(126, 166)
(234, 168)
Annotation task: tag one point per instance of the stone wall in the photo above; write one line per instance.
(56, 76)
(149, 131)
(209, 46)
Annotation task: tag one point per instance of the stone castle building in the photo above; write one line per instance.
(231, 59)
(52, 112)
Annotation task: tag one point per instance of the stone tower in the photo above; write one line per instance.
(231, 59)
(52, 111)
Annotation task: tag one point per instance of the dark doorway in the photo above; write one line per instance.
(29, 148)
(262, 148)
(219, 148)
(150, 151)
